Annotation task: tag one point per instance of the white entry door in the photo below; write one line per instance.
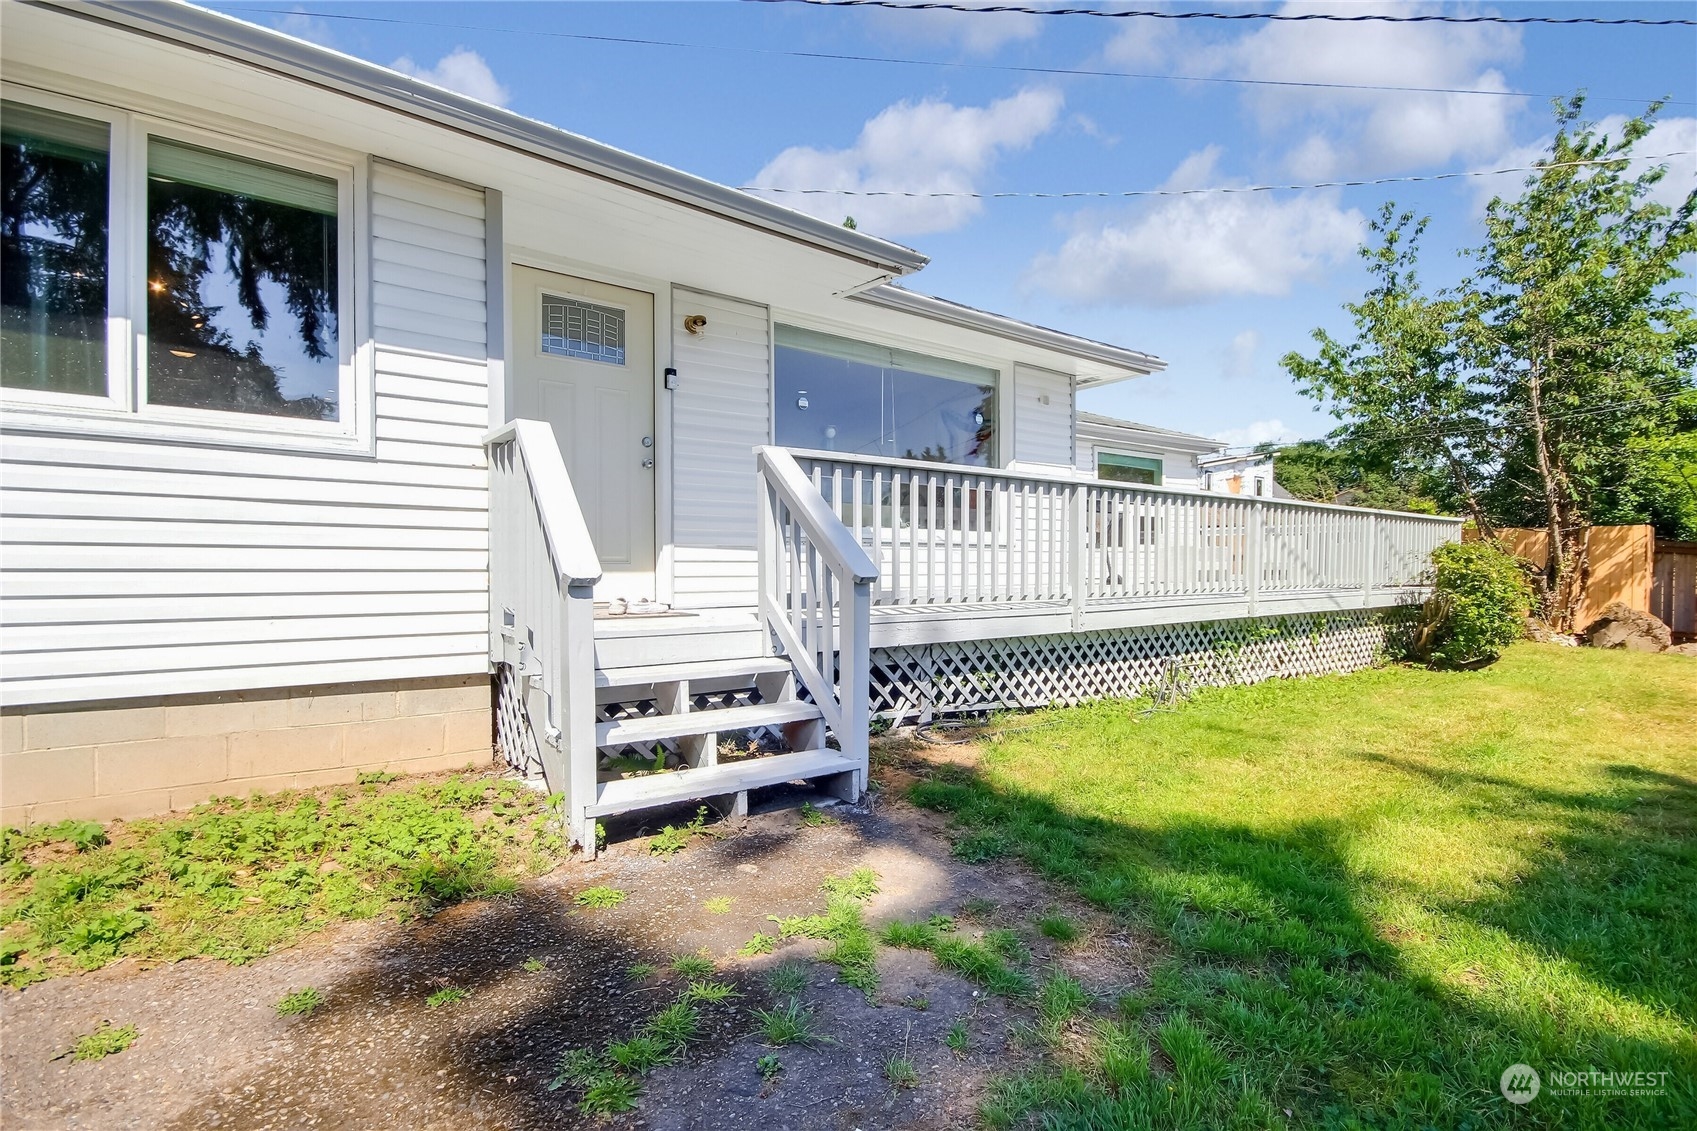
(584, 362)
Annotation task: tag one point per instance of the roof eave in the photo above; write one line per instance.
(248, 43)
(1092, 422)
(1134, 362)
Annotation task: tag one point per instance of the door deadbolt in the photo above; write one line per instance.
(648, 441)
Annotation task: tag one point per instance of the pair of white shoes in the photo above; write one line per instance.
(619, 607)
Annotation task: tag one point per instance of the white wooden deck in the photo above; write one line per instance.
(862, 554)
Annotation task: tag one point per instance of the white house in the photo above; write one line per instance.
(1243, 473)
(1124, 451)
(342, 413)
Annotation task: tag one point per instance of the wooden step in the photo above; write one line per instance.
(715, 781)
(648, 675)
(653, 728)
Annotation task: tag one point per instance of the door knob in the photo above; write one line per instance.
(649, 462)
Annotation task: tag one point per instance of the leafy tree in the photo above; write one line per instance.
(1324, 472)
(1548, 383)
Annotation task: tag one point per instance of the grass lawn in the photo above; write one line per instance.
(1376, 892)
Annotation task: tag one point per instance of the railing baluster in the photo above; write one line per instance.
(944, 535)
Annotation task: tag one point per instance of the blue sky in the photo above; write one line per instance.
(1219, 285)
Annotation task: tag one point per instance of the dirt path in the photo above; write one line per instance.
(212, 1051)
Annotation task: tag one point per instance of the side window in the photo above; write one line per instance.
(1118, 468)
(54, 243)
(162, 280)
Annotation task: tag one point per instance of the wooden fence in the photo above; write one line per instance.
(1629, 564)
(1673, 591)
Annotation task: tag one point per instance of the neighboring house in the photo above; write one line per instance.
(343, 414)
(1249, 473)
(1123, 451)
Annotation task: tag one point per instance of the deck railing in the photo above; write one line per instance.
(542, 573)
(943, 534)
(816, 597)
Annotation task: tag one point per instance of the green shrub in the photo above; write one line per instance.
(1480, 598)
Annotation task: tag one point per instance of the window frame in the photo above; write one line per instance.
(125, 412)
(117, 244)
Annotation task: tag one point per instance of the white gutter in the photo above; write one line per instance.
(942, 310)
(222, 35)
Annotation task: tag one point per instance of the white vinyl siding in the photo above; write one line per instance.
(137, 567)
(1042, 419)
(721, 410)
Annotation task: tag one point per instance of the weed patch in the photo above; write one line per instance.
(1058, 927)
(236, 879)
(759, 943)
(102, 1043)
(787, 979)
(692, 965)
(599, 897)
(852, 948)
(788, 1023)
(450, 995)
(299, 1003)
(609, 1080)
(673, 839)
(983, 963)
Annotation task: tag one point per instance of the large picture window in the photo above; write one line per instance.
(836, 394)
(164, 275)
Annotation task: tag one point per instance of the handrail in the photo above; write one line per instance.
(823, 524)
(1042, 477)
(542, 572)
(569, 543)
(946, 534)
(816, 599)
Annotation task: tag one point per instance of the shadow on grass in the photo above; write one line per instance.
(1308, 1005)
(1614, 893)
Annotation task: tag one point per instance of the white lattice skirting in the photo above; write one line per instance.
(914, 683)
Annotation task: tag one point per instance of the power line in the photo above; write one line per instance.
(1303, 17)
(1412, 429)
(1099, 195)
(832, 56)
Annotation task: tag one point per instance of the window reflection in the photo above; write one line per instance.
(241, 285)
(844, 396)
(53, 242)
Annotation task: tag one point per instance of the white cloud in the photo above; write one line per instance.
(1260, 432)
(1668, 135)
(304, 26)
(927, 146)
(972, 33)
(1374, 131)
(462, 70)
(1194, 249)
(1142, 43)
(1237, 359)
